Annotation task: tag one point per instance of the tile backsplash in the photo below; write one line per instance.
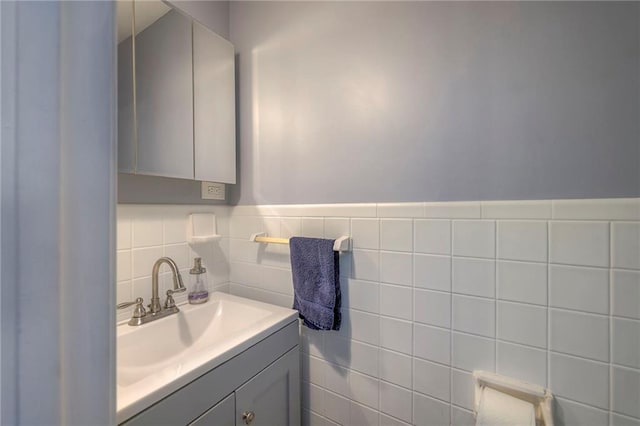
(544, 291)
(148, 232)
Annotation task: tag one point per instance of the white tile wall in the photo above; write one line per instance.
(148, 232)
(544, 291)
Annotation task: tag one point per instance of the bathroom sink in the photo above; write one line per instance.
(155, 359)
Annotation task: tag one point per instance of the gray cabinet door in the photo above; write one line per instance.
(273, 396)
(222, 414)
(214, 106)
(164, 97)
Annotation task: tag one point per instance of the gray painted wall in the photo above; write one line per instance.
(421, 101)
(155, 190)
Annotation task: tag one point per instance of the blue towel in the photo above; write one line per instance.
(316, 283)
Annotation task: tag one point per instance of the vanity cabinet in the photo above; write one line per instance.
(181, 121)
(259, 386)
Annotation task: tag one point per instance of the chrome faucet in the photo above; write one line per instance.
(156, 310)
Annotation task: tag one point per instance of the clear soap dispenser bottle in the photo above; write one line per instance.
(199, 292)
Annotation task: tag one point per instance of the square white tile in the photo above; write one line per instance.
(338, 346)
(475, 277)
(432, 307)
(123, 265)
(462, 417)
(335, 227)
(626, 342)
(396, 301)
(277, 279)
(290, 227)
(583, 289)
(180, 254)
(365, 265)
(522, 282)
(312, 396)
(429, 411)
(432, 343)
(626, 293)
(396, 268)
(364, 327)
(572, 413)
(396, 401)
(362, 295)
(626, 391)
(364, 389)
(474, 238)
(336, 379)
(364, 358)
(396, 335)
(474, 315)
(580, 334)
(522, 363)
(579, 379)
(313, 227)
(522, 240)
(337, 408)
(143, 260)
(147, 232)
(432, 236)
(175, 230)
(579, 243)
(462, 389)
(472, 352)
(526, 324)
(395, 368)
(365, 233)
(396, 234)
(431, 379)
(625, 245)
(312, 341)
(391, 421)
(123, 233)
(243, 226)
(620, 420)
(363, 415)
(432, 272)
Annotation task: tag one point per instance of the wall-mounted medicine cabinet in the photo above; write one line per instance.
(176, 95)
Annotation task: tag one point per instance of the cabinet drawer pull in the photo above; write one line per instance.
(248, 417)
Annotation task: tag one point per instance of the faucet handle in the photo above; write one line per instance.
(139, 310)
(169, 302)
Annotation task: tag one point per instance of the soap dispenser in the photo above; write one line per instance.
(199, 292)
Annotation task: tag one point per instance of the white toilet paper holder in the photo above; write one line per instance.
(540, 397)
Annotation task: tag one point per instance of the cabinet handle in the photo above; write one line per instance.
(248, 417)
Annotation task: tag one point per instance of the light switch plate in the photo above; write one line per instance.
(213, 191)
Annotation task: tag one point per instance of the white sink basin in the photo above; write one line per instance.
(157, 358)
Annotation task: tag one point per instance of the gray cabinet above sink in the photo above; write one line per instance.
(176, 89)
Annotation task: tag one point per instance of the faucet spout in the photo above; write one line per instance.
(155, 306)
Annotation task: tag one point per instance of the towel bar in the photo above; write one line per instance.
(341, 244)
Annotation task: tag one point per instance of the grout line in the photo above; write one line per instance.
(451, 318)
(495, 295)
(548, 340)
(610, 340)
